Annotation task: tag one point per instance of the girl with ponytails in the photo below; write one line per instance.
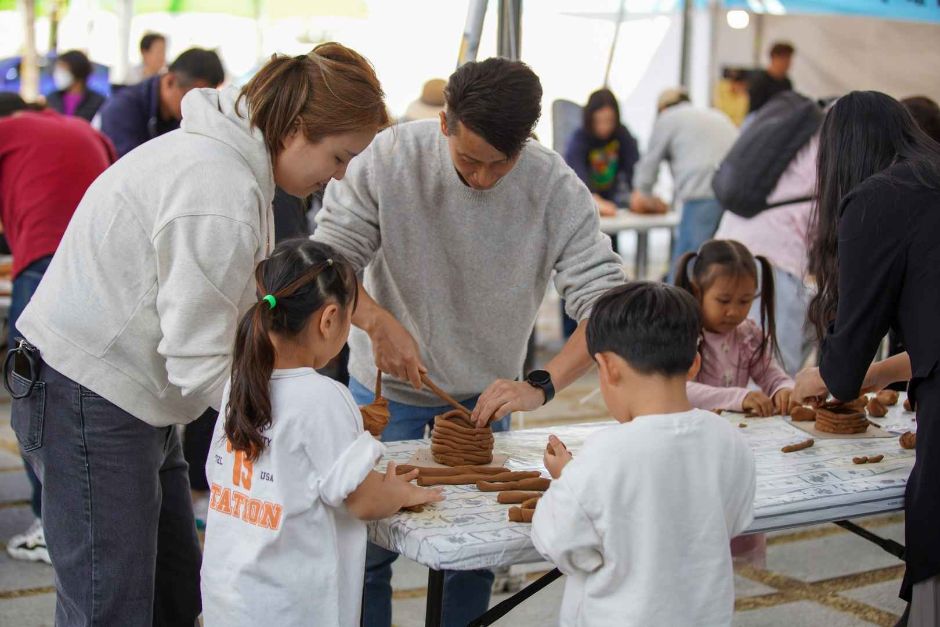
(723, 276)
(290, 468)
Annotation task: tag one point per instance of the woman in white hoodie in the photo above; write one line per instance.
(131, 331)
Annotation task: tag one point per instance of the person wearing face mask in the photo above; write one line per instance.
(140, 112)
(459, 224)
(72, 95)
(131, 331)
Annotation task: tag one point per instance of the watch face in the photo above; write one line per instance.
(539, 377)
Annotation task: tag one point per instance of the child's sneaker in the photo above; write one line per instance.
(30, 546)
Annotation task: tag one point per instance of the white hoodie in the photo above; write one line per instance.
(141, 300)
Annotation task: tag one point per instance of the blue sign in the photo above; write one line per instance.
(913, 10)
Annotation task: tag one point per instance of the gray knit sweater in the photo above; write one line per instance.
(464, 271)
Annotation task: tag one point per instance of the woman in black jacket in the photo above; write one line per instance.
(72, 96)
(876, 259)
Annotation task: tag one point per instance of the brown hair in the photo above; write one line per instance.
(331, 90)
(697, 271)
(300, 276)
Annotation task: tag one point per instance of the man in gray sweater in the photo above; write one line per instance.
(459, 224)
(694, 141)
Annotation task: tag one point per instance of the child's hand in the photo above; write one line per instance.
(782, 400)
(556, 457)
(759, 403)
(412, 494)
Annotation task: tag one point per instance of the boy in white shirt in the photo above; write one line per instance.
(640, 521)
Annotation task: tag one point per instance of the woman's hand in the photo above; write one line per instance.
(759, 403)
(782, 400)
(881, 374)
(556, 456)
(809, 386)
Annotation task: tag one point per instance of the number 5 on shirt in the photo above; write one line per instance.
(242, 469)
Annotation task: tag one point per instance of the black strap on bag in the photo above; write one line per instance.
(767, 143)
(25, 361)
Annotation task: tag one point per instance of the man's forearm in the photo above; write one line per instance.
(572, 361)
(367, 311)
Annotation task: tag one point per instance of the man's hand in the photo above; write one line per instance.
(504, 397)
(605, 207)
(396, 352)
(556, 456)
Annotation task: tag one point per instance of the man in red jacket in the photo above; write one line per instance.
(47, 161)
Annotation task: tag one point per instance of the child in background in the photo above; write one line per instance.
(722, 276)
(290, 467)
(640, 520)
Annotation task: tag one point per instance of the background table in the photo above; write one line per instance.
(642, 224)
(470, 530)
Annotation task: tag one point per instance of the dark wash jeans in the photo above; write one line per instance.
(24, 286)
(116, 507)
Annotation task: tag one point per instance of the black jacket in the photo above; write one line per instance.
(889, 278)
(87, 108)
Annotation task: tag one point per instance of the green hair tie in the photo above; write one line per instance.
(270, 300)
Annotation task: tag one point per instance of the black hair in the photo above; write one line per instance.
(782, 49)
(498, 99)
(654, 327)
(600, 99)
(926, 113)
(10, 103)
(148, 40)
(301, 276)
(863, 134)
(696, 272)
(197, 64)
(78, 64)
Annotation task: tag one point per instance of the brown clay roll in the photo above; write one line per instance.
(859, 460)
(470, 479)
(517, 514)
(454, 434)
(876, 409)
(457, 422)
(431, 471)
(448, 460)
(531, 503)
(792, 448)
(802, 414)
(448, 448)
(523, 484)
(514, 497)
(908, 440)
(888, 397)
(478, 441)
(875, 459)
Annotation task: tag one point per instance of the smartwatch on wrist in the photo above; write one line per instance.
(542, 380)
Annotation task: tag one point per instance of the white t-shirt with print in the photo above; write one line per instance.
(281, 548)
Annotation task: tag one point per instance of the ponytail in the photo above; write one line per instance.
(683, 277)
(299, 278)
(768, 322)
(330, 91)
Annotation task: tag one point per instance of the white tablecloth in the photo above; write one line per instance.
(629, 221)
(470, 530)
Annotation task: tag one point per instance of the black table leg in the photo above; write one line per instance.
(894, 548)
(434, 610)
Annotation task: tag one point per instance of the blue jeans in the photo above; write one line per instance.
(24, 286)
(466, 593)
(699, 222)
(118, 515)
